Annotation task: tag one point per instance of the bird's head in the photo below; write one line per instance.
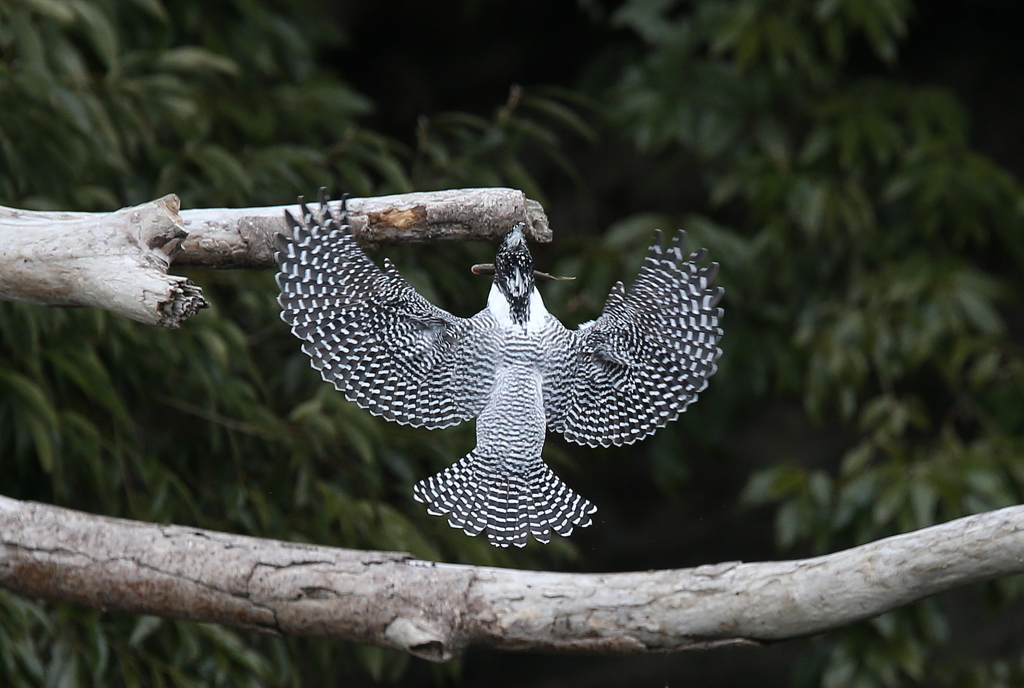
(513, 273)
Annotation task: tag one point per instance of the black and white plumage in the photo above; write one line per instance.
(512, 366)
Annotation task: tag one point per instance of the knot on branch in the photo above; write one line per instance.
(158, 234)
(419, 638)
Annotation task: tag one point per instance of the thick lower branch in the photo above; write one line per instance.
(435, 611)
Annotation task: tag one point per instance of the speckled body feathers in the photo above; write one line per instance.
(513, 366)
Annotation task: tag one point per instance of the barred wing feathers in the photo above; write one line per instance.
(647, 357)
(373, 336)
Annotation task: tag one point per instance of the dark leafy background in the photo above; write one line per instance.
(853, 165)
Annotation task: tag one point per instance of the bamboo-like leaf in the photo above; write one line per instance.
(196, 59)
(100, 30)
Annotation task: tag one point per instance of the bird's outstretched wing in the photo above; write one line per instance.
(646, 358)
(372, 335)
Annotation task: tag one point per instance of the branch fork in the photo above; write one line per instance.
(119, 260)
(116, 261)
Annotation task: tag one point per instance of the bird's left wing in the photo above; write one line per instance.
(645, 359)
(372, 335)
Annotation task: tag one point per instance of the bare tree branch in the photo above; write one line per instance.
(436, 611)
(119, 260)
(244, 237)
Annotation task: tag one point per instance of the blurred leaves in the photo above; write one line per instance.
(871, 260)
(222, 424)
(460, 150)
(858, 259)
(124, 105)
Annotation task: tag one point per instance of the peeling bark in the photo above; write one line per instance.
(436, 611)
(116, 261)
(119, 260)
(244, 237)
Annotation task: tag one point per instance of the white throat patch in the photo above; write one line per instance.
(497, 304)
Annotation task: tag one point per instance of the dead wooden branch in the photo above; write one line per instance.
(244, 237)
(436, 611)
(119, 260)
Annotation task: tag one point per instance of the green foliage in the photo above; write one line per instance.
(110, 102)
(81, 648)
(858, 276)
(871, 260)
(221, 424)
(460, 150)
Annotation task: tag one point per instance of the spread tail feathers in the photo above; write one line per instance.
(508, 498)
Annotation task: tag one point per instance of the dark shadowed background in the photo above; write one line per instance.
(853, 165)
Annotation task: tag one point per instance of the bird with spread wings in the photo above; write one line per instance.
(513, 366)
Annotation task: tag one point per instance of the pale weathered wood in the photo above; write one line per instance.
(119, 260)
(116, 261)
(244, 237)
(436, 611)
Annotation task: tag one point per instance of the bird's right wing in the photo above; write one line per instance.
(645, 359)
(373, 336)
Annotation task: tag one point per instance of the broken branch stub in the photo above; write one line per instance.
(117, 261)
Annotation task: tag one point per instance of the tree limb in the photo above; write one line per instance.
(119, 260)
(436, 611)
(244, 237)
